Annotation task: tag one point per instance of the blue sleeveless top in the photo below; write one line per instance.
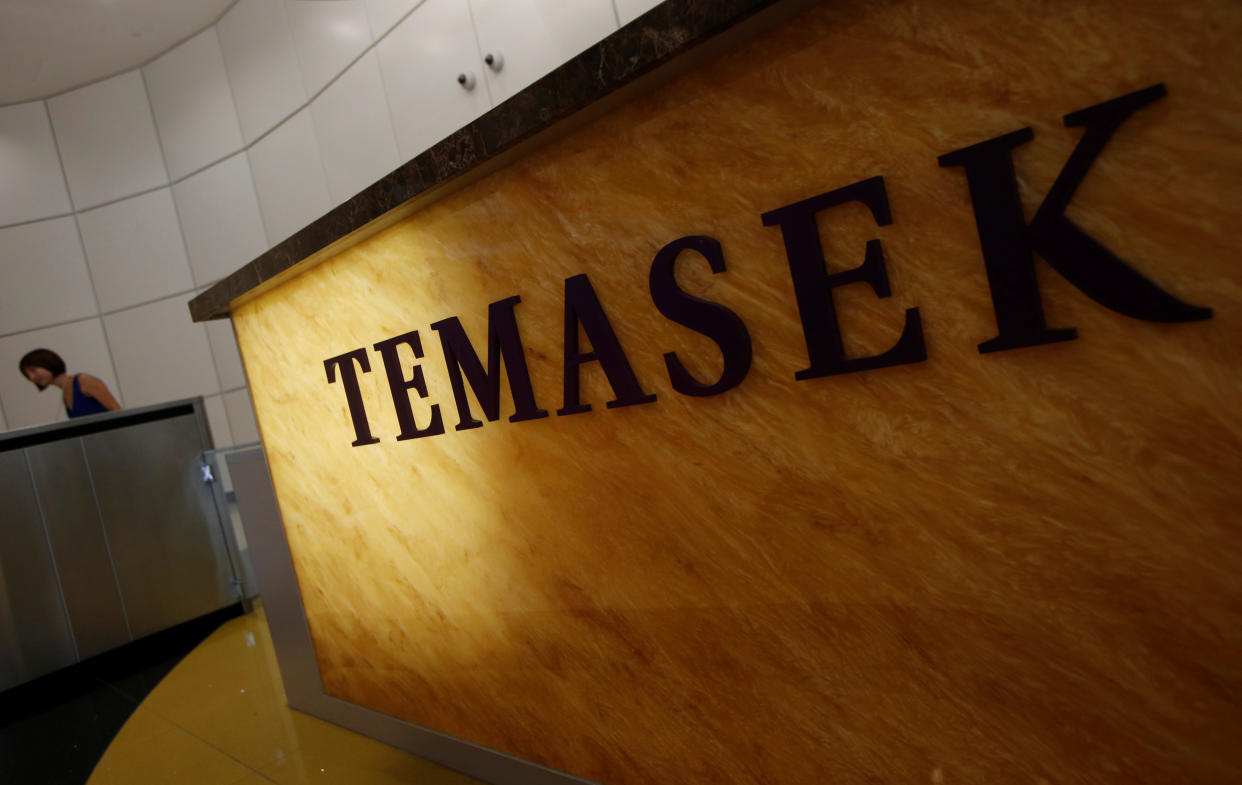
(83, 404)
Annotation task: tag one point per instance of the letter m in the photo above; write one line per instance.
(503, 341)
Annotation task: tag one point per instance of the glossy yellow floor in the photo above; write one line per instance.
(220, 718)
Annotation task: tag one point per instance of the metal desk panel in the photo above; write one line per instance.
(87, 581)
(170, 557)
(35, 637)
(273, 566)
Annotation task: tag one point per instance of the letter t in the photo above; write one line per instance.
(353, 394)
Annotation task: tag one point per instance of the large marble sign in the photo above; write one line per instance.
(862, 406)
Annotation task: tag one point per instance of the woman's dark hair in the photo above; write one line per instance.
(42, 358)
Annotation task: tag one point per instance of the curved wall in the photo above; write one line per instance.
(124, 198)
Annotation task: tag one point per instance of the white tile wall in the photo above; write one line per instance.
(289, 178)
(31, 183)
(210, 98)
(83, 348)
(262, 64)
(221, 197)
(420, 60)
(160, 354)
(224, 352)
(193, 107)
(135, 251)
(107, 140)
(43, 277)
(383, 14)
(354, 130)
(536, 36)
(241, 417)
(218, 421)
(629, 10)
(328, 36)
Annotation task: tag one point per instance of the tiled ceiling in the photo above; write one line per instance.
(50, 46)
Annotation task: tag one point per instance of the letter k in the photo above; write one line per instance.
(1007, 241)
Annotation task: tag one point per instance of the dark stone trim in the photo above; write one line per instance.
(649, 44)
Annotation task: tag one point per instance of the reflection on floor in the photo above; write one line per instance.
(213, 716)
(219, 718)
(53, 730)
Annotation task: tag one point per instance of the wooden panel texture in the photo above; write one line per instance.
(1015, 567)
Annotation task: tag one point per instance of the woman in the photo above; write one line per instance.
(83, 394)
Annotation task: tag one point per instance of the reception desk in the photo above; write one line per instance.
(809, 393)
(109, 534)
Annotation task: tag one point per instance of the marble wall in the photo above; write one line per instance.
(1017, 567)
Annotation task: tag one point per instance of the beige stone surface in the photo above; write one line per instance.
(1020, 567)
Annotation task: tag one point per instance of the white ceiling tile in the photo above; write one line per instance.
(43, 275)
(135, 251)
(50, 46)
(107, 140)
(221, 196)
(354, 130)
(193, 104)
(160, 355)
(83, 348)
(262, 64)
(327, 37)
(34, 186)
(289, 178)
